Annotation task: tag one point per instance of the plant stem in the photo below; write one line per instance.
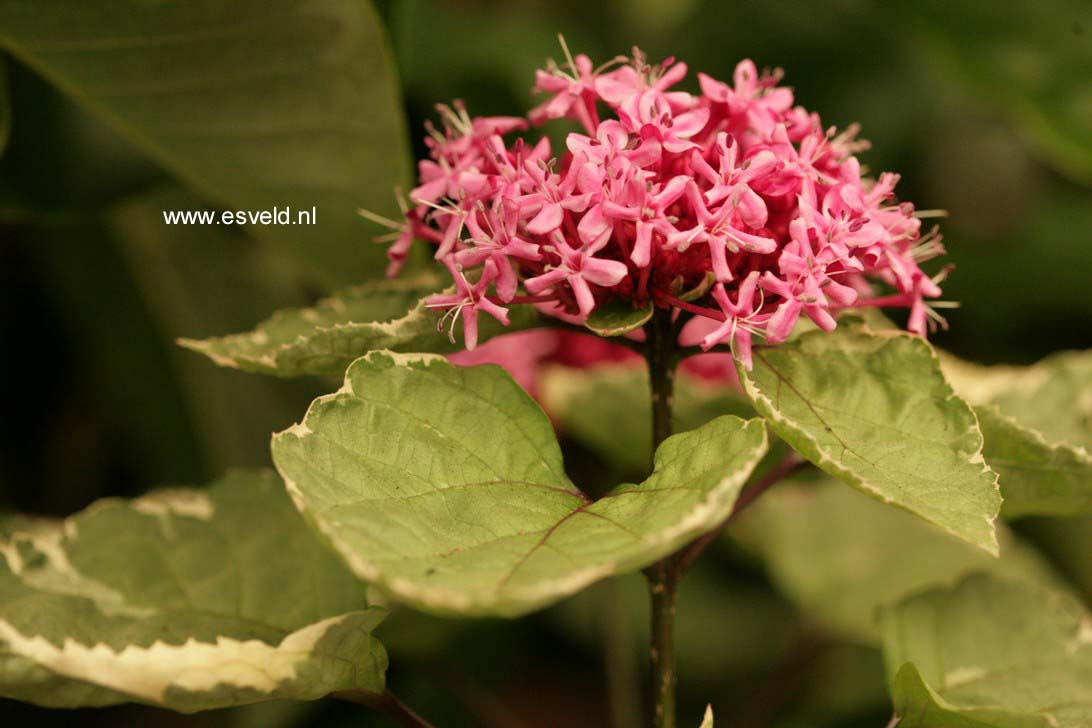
(663, 584)
(660, 353)
(663, 576)
(386, 703)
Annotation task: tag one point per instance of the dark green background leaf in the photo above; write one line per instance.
(1030, 61)
(256, 104)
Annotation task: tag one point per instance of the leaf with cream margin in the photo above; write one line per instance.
(1037, 423)
(840, 555)
(1037, 477)
(185, 599)
(989, 654)
(873, 409)
(707, 721)
(325, 338)
(1053, 396)
(444, 485)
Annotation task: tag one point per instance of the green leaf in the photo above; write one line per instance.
(1037, 423)
(254, 104)
(618, 317)
(874, 410)
(1030, 60)
(1053, 396)
(198, 280)
(324, 339)
(607, 408)
(990, 654)
(186, 599)
(840, 555)
(444, 485)
(1036, 477)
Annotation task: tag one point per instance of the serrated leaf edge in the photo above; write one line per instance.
(993, 548)
(259, 334)
(707, 512)
(1078, 451)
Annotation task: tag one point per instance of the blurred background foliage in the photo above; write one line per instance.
(985, 108)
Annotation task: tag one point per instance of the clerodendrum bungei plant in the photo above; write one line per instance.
(723, 235)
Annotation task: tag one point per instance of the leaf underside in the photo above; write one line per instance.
(186, 599)
(445, 486)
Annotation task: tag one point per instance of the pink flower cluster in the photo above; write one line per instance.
(732, 207)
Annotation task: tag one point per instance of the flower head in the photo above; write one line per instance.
(734, 194)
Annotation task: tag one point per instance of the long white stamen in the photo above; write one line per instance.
(379, 219)
(568, 55)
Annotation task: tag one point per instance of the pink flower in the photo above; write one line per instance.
(627, 196)
(650, 114)
(664, 192)
(805, 285)
(573, 93)
(755, 105)
(580, 271)
(495, 237)
(739, 318)
(722, 230)
(637, 78)
(467, 300)
(731, 179)
(550, 197)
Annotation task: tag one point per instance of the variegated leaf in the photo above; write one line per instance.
(325, 338)
(873, 409)
(445, 486)
(187, 599)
